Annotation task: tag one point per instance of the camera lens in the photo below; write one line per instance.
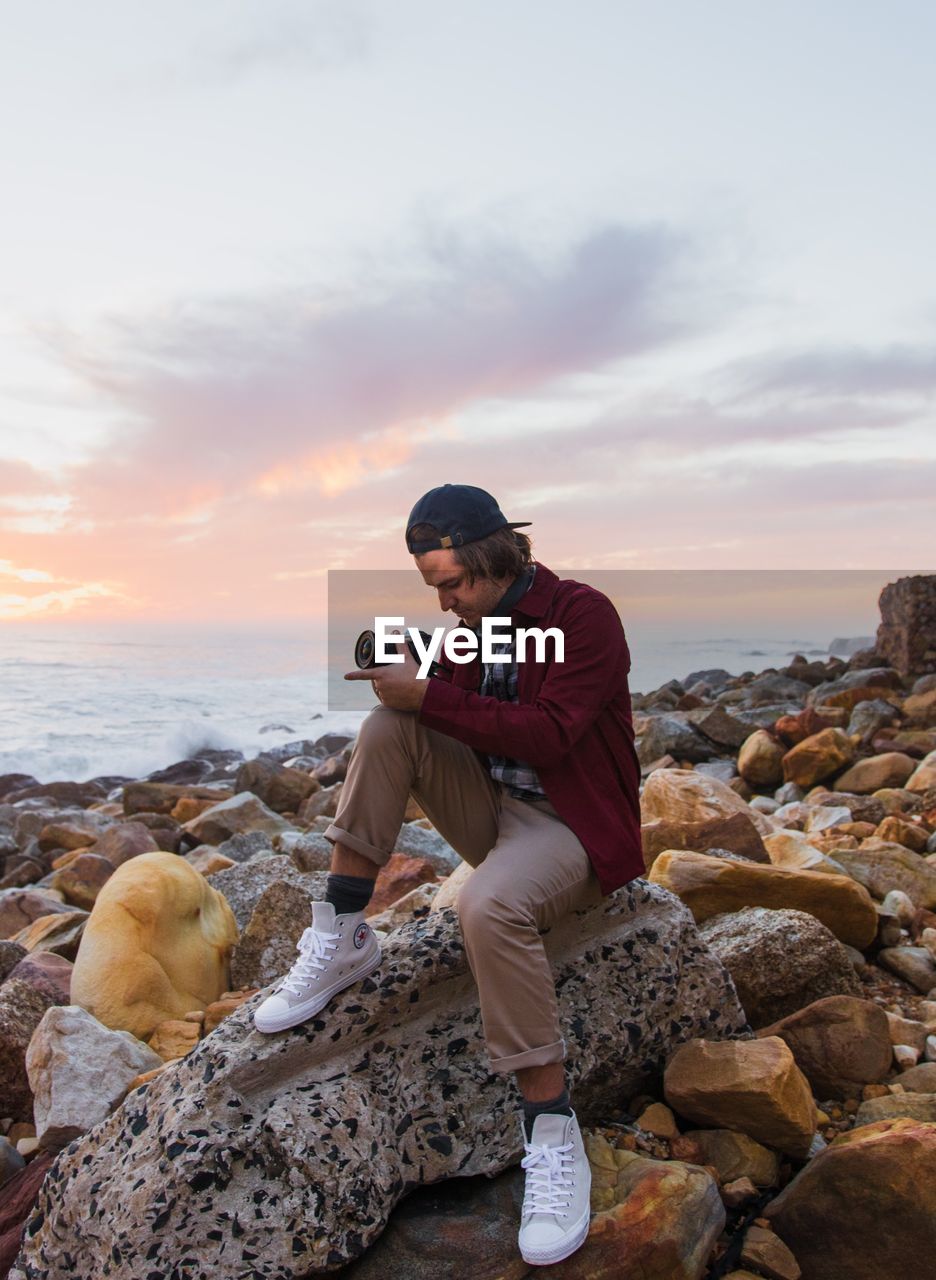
(364, 651)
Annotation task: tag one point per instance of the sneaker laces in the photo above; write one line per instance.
(314, 948)
(548, 1190)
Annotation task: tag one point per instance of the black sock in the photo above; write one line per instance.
(555, 1107)
(348, 893)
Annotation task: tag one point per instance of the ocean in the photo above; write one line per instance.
(77, 703)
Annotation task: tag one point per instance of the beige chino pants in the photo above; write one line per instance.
(530, 869)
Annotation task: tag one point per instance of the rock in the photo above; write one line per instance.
(672, 735)
(823, 818)
(771, 687)
(831, 1214)
(10, 1161)
(791, 849)
(417, 902)
(76, 833)
(913, 1106)
(869, 717)
(278, 787)
(360, 1101)
(435, 1229)
(760, 761)
(156, 945)
(735, 1155)
(78, 1071)
(397, 877)
(162, 797)
(658, 1120)
(924, 776)
(906, 636)
(125, 840)
(82, 880)
(890, 769)
(766, 1251)
(218, 1010)
(243, 812)
(779, 961)
(905, 1056)
(21, 1010)
(322, 803)
(309, 850)
(11, 953)
(60, 933)
(734, 1195)
(267, 947)
(244, 885)
(920, 708)
(16, 1205)
(753, 1086)
(818, 757)
(711, 886)
(920, 1079)
(20, 907)
(736, 833)
(684, 796)
(881, 867)
(174, 1038)
(719, 726)
(665, 1218)
(897, 830)
(207, 860)
(419, 842)
(840, 1044)
(247, 845)
(913, 964)
(47, 972)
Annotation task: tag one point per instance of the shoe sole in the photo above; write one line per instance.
(309, 1008)
(562, 1248)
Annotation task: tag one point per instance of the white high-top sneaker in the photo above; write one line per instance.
(556, 1201)
(334, 952)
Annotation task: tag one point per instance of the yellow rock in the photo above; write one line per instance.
(156, 945)
(818, 757)
(659, 1120)
(682, 795)
(709, 886)
(924, 776)
(760, 760)
(174, 1038)
(753, 1086)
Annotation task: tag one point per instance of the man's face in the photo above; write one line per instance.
(469, 602)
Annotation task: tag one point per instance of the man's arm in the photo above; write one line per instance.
(570, 699)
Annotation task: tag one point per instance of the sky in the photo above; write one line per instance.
(660, 277)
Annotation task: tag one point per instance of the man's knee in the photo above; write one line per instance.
(483, 911)
(382, 727)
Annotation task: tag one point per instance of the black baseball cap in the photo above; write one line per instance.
(461, 512)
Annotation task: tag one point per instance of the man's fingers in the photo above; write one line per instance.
(361, 675)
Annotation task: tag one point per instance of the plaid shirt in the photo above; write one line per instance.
(499, 680)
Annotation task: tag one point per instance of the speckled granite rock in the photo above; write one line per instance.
(267, 947)
(282, 1156)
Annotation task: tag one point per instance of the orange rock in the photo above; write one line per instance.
(189, 807)
(818, 757)
(901, 831)
(174, 1038)
(399, 875)
(752, 1086)
(866, 1206)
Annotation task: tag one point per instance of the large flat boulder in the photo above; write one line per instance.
(710, 886)
(284, 1155)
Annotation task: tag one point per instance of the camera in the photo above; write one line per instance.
(365, 648)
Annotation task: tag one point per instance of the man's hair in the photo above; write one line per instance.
(504, 554)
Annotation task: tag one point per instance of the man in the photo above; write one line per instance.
(528, 769)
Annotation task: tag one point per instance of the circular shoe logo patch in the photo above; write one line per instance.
(360, 935)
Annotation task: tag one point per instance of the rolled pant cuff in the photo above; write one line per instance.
(338, 835)
(555, 1052)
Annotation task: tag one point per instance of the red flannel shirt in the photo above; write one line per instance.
(572, 721)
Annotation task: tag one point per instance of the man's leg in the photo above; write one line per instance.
(394, 756)
(536, 873)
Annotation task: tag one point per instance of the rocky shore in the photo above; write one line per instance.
(751, 1026)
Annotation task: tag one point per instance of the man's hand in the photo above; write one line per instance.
(397, 686)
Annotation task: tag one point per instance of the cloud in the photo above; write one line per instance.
(290, 391)
(901, 369)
